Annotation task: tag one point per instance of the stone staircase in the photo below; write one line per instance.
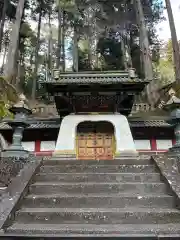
(120, 198)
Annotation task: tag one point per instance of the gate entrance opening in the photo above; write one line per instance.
(95, 141)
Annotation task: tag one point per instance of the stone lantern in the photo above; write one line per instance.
(173, 105)
(132, 73)
(21, 112)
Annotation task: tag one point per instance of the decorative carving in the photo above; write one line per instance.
(96, 77)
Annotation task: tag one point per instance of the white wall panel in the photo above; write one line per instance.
(29, 146)
(142, 144)
(48, 145)
(163, 144)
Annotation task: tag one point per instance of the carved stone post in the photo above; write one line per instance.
(18, 124)
(132, 73)
(173, 105)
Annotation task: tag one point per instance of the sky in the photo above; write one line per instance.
(163, 27)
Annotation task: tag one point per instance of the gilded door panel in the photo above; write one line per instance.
(99, 140)
(108, 141)
(81, 141)
(86, 146)
(90, 153)
(81, 152)
(109, 151)
(100, 153)
(90, 140)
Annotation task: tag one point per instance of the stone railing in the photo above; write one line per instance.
(141, 107)
(45, 110)
(9, 168)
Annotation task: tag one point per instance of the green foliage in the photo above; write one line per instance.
(98, 25)
(8, 95)
(165, 67)
(111, 19)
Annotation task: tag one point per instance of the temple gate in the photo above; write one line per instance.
(94, 107)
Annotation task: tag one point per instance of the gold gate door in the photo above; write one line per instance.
(95, 142)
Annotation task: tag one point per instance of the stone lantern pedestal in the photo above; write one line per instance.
(173, 105)
(18, 124)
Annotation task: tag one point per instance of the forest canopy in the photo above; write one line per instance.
(37, 36)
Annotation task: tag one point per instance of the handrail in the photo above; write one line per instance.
(17, 190)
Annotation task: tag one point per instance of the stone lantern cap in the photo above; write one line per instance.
(173, 105)
(173, 102)
(21, 106)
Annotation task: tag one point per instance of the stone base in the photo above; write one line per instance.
(174, 151)
(127, 155)
(118, 156)
(66, 142)
(17, 154)
(57, 156)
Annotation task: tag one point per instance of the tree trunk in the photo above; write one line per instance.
(14, 40)
(151, 92)
(63, 43)
(2, 22)
(4, 58)
(33, 95)
(123, 49)
(50, 47)
(129, 60)
(58, 53)
(176, 52)
(15, 79)
(144, 41)
(75, 51)
(89, 52)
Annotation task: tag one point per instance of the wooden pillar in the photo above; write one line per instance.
(37, 146)
(153, 144)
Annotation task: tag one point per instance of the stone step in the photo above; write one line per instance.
(87, 188)
(128, 231)
(54, 161)
(94, 200)
(98, 215)
(100, 177)
(98, 169)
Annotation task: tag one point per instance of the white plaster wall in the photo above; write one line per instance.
(29, 146)
(163, 144)
(67, 133)
(47, 146)
(142, 144)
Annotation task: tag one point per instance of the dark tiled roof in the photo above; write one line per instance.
(51, 125)
(149, 123)
(101, 78)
